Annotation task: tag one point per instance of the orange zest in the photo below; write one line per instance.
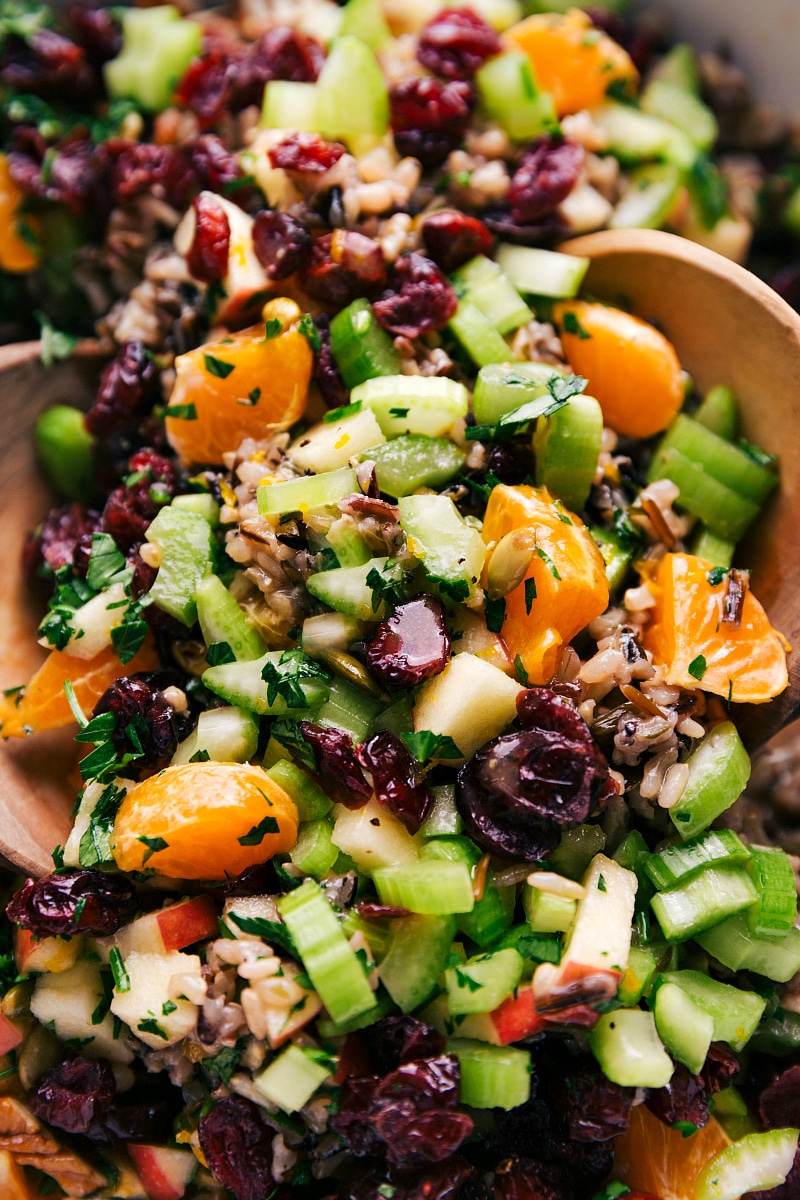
(203, 820)
(571, 59)
(632, 369)
(43, 703)
(248, 385)
(745, 663)
(18, 233)
(659, 1161)
(567, 571)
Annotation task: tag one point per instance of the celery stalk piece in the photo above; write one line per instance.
(413, 403)
(314, 853)
(725, 512)
(678, 67)
(732, 944)
(364, 19)
(346, 588)
(268, 686)
(757, 1162)
(334, 970)
(452, 849)
(736, 1013)
(413, 461)
(348, 709)
(289, 105)
(567, 445)
(510, 96)
(312, 491)
(309, 799)
(703, 901)
(490, 917)
(362, 348)
(492, 1076)
(684, 1028)
(376, 931)
(348, 545)
(384, 1006)
(481, 984)
(483, 283)
(719, 551)
(416, 957)
(633, 136)
(651, 194)
(65, 450)
(720, 459)
(222, 620)
(443, 816)
(353, 101)
(629, 1050)
(719, 768)
(677, 863)
(542, 272)
(398, 720)
(719, 412)
(682, 109)
(451, 552)
(500, 389)
(478, 336)
(202, 503)
(437, 888)
(639, 975)
(615, 554)
(291, 1079)
(547, 913)
(157, 47)
(330, 631)
(184, 539)
(222, 735)
(775, 911)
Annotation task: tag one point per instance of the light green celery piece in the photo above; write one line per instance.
(311, 491)
(291, 1079)
(451, 552)
(222, 620)
(651, 194)
(546, 913)
(684, 1028)
(775, 911)
(478, 336)
(157, 47)
(443, 816)
(314, 853)
(719, 768)
(635, 136)
(615, 554)
(222, 735)
(576, 849)
(430, 888)
(184, 539)
(492, 1076)
(413, 404)
(675, 863)
(289, 105)
(728, 464)
(481, 984)
(538, 272)
(719, 412)
(410, 462)
(683, 109)
(757, 1162)
(308, 797)
(483, 283)
(705, 900)
(500, 389)
(415, 958)
(353, 100)
(719, 551)
(678, 67)
(736, 1012)
(732, 944)
(639, 975)
(202, 503)
(509, 95)
(364, 19)
(243, 684)
(348, 709)
(566, 446)
(346, 588)
(629, 1050)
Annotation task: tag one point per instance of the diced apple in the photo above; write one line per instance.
(372, 836)
(70, 1000)
(600, 938)
(152, 1004)
(471, 636)
(13, 1184)
(11, 1035)
(245, 287)
(516, 1018)
(171, 928)
(471, 701)
(330, 445)
(53, 954)
(165, 1172)
(93, 622)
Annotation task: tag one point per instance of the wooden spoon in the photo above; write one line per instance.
(728, 327)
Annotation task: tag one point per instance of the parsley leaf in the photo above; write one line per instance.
(219, 653)
(387, 584)
(56, 346)
(310, 332)
(697, 667)
(540, 947)
(530, 594)
(273, 932)
(222, 1065)
(548, 562)
(217, 366)
(95, 844)
(464, 979)
(571, 324)
(287, 733)
(181, 412)
(272, 329)
(519, 667)
(122, 980)
(283, 678)
(256, 835)
(151, 1025)
(495, 612)
(344, 410)
(425, 745)
(127, 637)
(106, 562)
(152, 846)
(716, 575)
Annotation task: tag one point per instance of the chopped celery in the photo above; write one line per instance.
(289, 105)
(732, 944)
(482, 282)
(703, 901)
(65, 450)
(431, 888)
(736, 1013)
(364, 19)
(222, 735)
(330, 631)
(566, 446)
(725, 512)
(291, 1079)
(330, 445)
(314, 853)
(635, 136)
(413, 403)
(616, 554)
(719, 412)
(202, 503)
(348, 709)
(684, 1028)
(348, 545)
(500, 389)
(542, 272)
(534, 947)
(268, 685)
(416, 957)
(629, 1050)
(651, 194)
(309, 799)
(720, 459)
(414, 461)
(681, 108)
(361, 347)
(509, 95)
(481, 984)
(758, 1162)
(384, 1006)
(452, 849)
(547, 913)
(335, 971)
(184, 539)
(719, 768)
(443, 817)
(639, 974)
(678, 67)
(576, 849)
(397, 718)
(157, 47)
(490, 917)
(717, 550)
(675, 864)
(478, 336)
(452, 552)
(312, 491)
(775, 910)
(375, 931)
(346, 588)
(222, 620)
(492, 1076)
(352, 96)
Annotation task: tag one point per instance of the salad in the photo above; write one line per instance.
(391, 592)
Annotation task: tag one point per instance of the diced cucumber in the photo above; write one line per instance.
(437, 888)
(446, 703)
(547, 913)
(684, 1028)
(416, 957)
(719, 768)
(616, 554)
(678, 67)
(509, 95)
(478, 336)
(452, 849)
(222, 620)
(243, 684)
(650, 196)
(312, 491)
(346, 589)
(452, 552)
(719, 412)
(720, 459)
(289, 105)
(413, 461)
(348, 709)
(202, 503)
(362, 348)
(157, 47)
(629, 1050)
(65, 450)
(374, 838)
(184, 539)
(542, 272)
(677, 863)
(309, 799)
(348, 545)
(352, 96)
(639, 974)
(413, 403)
(222, 735)
(291, 1079)
(719, 551)
(567, 445)
(736, 1013)
(732, 944)
(683, 109)
(775, 910)
(705, 900)
(364, 19)
(492, 1076)
(443, 817)
(500, 389)
(330, 445)
(483, 283)
(757, 1162)
(314, 853)
(481, 984)
(726, 513)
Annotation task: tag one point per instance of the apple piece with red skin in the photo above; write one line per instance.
(11, 1035)
(172, 928)
(165, 1172)
(53, 954)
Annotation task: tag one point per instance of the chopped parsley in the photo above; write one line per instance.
(425, 745)
(387, 584)
(530, 594)
(697, 667)
(519, 667)
(151, 1025)
(95, 844)
(716, 575)
(344, 410)
(310, 332)
(256, 835)
(152, 846)
(283, 679)
(106, 563)
(181, 412)
(287, 733)
(547, 560)
(122, 980)
(217, 366)
(560, 388)
(219, 653)
(274, 933)
(495, 612)
(464, 979)
(272, 329)
(571, 324)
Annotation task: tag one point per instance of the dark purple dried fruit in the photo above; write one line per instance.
(596, 1109)
(207, 257)
(453, 1179)
(453, 238)
(329, 280)
(325, 371)
(96, 30)
(237, 1145)
(144, 719)
(456, 42)
(779, 1104)
(217, 169)
(282, 244)
(48, 65)
(396, 1040)
(73, 901)
(425, 1137)
(73, 1094)
(510, 462)
(338, 767)
(411, 645)
(547, 174)
(138, 168)
(75, 174)
(429, 117)
(360, 255)
(420, 300)
(289, 54)
(353, 1120)
(129, 386)
(526, 1179)
(57, 541)
(684, 1099)
(305, 152)
(720, 1068)
(396, 777)
(130, 508)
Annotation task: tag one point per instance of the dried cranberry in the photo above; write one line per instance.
(218, 170)
(720, 1068)
(50, 66)
(260, 880)
(547, 232)
(779, 1104)
(56, 542)
(328, 280)
(325, 371)
(421, 300)
(73, 1094)
(129, 386)
(372, 911)
(306, 152)
(396, 777)
(683, 1099)
(137, 169)
(144, 720)
(237, 1145)
(141, 1122)
(360, 255)
(596, 1109)
(456, 43)
(429, 117)
(75, 175)
(547, 174)
(131, 507)
(520, 791)
(510, 463)
(73, 901)
(526, 1179)
(411, 645)
(452, 238)
(453, 1179)
(282, 244)
(207, 257)
(353, 1120)
(337, 764)
(427, 1137)
(395, 1040)
(205, 86)
(289, 54)
(96, 30)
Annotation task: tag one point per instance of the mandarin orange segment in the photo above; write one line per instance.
(245, 386)
(571, 59)
(43, 704)
(203, 820)
(17, 254)
(632, 369)
(568, 573)
(745, 662)
(655, 1159)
